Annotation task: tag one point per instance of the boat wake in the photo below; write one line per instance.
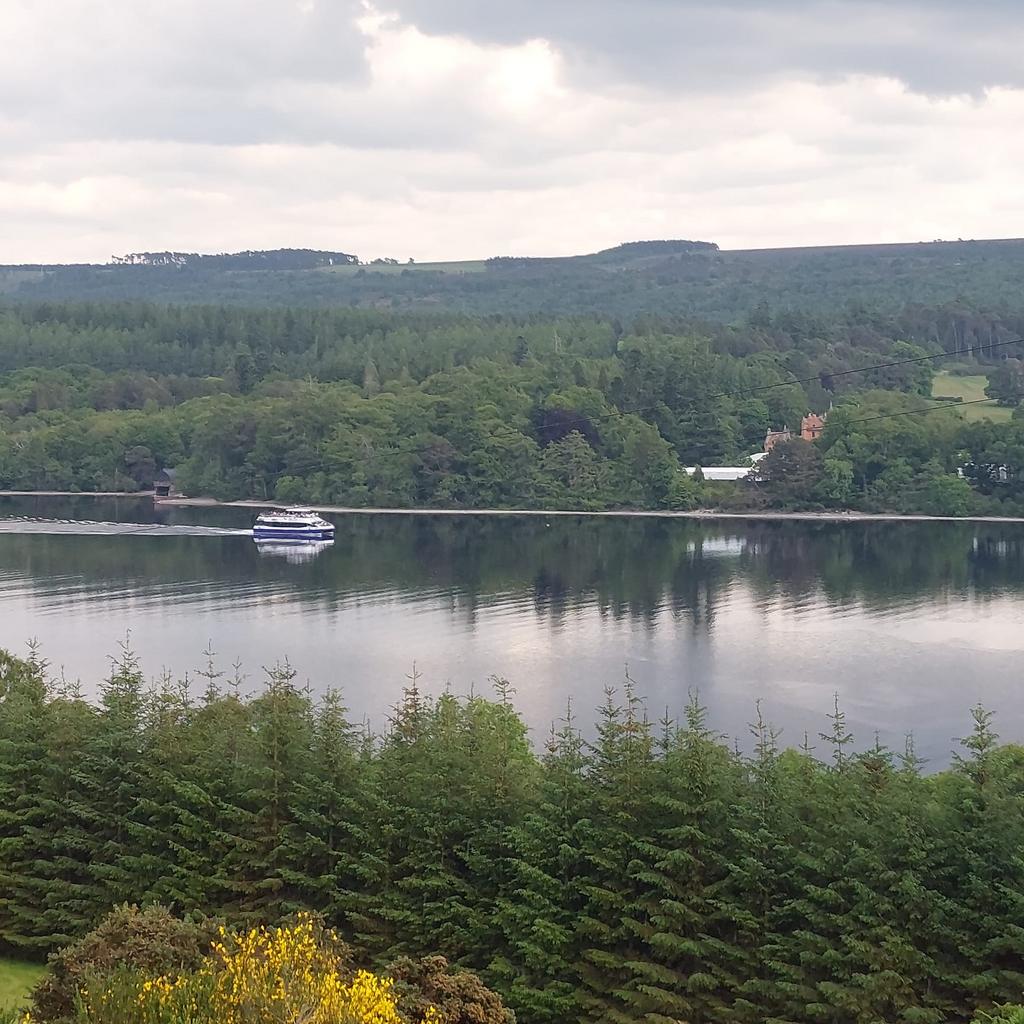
(76, 527)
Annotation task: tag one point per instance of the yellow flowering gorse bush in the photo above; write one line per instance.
(284, 975)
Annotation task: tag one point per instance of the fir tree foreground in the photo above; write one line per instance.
(652, 873)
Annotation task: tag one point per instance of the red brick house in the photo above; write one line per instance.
(811, 426)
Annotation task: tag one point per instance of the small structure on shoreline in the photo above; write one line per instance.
(164, 484)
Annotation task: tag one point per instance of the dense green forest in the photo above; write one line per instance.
(653, 872)
(635, 279)
(370, 408)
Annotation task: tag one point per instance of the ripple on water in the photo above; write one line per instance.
(74, 527)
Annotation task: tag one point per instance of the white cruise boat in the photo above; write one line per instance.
(292, 524)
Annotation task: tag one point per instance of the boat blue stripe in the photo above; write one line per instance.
(267, 532)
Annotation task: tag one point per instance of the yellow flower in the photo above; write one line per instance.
(285, 975)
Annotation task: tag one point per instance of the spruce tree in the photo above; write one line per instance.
(697, 934)
(25, 814)
(382, 914)
(72, 899)
(111, 780)
(984, 874)
(330, 838)
(497, 796)
(169, 824)
(215, 820)
(537, 909)
(762, 855)
(615, 830)
(272, 774)
(453, 776)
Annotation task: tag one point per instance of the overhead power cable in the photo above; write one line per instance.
(921, 412)
(864, 369)
(804, 380)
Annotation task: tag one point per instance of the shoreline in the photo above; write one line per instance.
(695, 514)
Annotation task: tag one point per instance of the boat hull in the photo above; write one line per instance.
(293, 533)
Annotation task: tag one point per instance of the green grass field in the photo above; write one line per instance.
(970, 389)
(16, 980)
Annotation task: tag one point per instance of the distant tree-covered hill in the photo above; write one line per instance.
(275, 259)
(663, 278)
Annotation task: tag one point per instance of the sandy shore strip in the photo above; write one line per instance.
(699, 514)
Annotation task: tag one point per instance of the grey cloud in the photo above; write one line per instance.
(241, 123)
(934, 46)
(187, 71)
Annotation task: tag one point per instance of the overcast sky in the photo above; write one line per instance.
(447, 129)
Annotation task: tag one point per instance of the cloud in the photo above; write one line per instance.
(190, 69)
(932, 46)
(459, 130)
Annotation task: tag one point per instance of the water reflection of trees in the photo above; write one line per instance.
(637, 570)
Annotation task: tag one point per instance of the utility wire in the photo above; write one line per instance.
(865, 369)
(921, 412)
(805, 380)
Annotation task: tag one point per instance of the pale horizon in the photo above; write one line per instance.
(479, 258)
(443, 130)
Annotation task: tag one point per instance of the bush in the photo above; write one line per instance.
(298, 972)
(1002, 1015)
(455, 996)
(151, 940)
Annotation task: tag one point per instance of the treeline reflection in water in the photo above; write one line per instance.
(638, 569)
(911, 622)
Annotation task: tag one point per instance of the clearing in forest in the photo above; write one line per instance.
(970, 389)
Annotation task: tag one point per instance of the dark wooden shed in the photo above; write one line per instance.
(163, 485)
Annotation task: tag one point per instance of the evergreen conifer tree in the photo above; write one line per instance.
(72, 899)
(537, 909)
(697, 934)
(330, 838)
(25, 814)
(272, 774)
(110, 781)
(616, 827)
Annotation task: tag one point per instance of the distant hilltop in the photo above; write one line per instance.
(311, 259)
(251, 259)
(658, 247)
(624, 251)
(639, 279)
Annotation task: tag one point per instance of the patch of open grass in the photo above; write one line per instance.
(970, 389)
(16, 981)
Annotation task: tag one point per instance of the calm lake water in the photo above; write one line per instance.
(910, 623)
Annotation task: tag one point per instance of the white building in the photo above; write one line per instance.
(721, 472)
(728, 472)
